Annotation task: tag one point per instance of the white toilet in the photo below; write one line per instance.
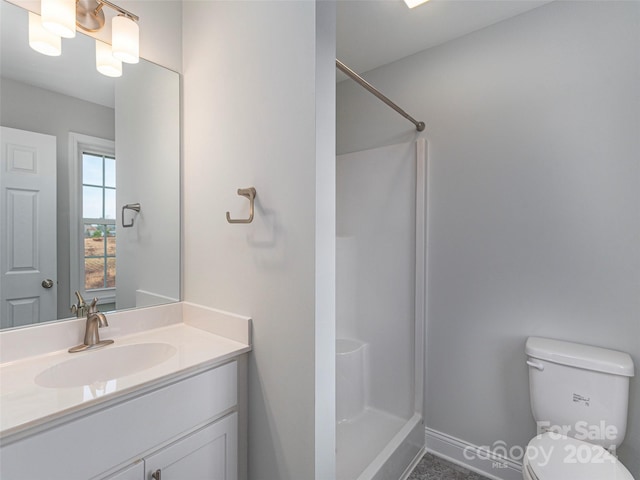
(579, 397)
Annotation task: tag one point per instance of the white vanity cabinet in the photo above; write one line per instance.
(186, 427)
(208, 454)
(132, 472)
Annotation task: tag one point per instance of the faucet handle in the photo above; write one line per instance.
(81, 302)
(93, 308)
(79, 309)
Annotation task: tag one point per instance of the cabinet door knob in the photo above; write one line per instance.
(157, 475)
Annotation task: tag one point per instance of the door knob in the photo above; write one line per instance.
(48, 283)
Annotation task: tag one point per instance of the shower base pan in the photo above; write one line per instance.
(375, 444)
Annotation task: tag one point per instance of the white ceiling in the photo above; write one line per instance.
(371, 33)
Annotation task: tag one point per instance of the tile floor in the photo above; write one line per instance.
(434, 468)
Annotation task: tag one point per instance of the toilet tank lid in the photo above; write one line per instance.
(580, 356)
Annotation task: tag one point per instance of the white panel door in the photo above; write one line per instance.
(28, 228)
(208, 454)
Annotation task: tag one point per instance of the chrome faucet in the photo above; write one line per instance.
(79, 309)
(95, 320)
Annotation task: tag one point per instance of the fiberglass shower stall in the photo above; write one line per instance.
(380, 298)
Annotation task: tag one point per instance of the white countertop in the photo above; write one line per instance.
(25, 405)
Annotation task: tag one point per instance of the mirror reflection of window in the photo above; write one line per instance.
(98, 218)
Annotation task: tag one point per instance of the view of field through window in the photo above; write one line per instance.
(99, 213)
(100, 256)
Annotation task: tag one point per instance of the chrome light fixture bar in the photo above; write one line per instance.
(90, 17)
(125, 32)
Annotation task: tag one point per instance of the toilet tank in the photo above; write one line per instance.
(579, 390)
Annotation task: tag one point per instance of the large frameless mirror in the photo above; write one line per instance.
(90, 180)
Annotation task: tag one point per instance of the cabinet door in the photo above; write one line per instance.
(133, 472)
(210, 453)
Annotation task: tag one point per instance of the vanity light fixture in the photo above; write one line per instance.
(414, 3)
(125, 35)
(41, 39)
(106, 63)
(61, 17)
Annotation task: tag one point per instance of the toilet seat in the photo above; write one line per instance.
(552, 456)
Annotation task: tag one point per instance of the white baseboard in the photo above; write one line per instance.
(472, 457)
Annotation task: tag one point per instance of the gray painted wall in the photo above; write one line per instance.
(35, 109)
(258, 111)
(533, 127)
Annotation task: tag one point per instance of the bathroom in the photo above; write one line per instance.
(533, 197)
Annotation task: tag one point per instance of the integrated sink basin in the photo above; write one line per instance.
(102, 365)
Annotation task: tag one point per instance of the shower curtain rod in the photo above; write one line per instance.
(357, 78)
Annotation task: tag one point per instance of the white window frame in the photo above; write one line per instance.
(79, 144)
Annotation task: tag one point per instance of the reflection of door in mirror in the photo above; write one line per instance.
(27, 208)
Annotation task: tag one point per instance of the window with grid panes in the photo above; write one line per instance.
(99, 221)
